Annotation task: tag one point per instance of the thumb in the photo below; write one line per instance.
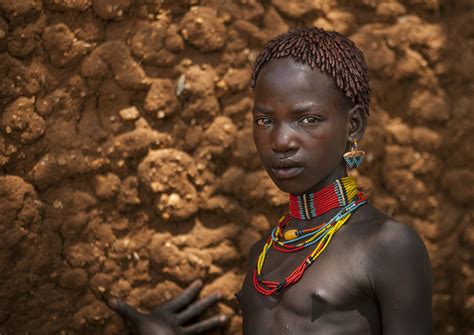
(124, 310)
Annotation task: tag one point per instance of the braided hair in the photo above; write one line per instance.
(330, 52)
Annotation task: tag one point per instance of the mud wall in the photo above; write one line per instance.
(128, 166)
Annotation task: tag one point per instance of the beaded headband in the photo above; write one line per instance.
(310, 205)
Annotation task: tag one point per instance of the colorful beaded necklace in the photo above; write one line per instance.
(342, 193)
(310, 205)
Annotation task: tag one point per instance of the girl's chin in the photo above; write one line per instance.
(289, 186)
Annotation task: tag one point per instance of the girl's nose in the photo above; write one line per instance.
(284, 141)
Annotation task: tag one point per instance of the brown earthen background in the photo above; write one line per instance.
(128, 165)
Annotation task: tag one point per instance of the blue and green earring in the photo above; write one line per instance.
(354, 157)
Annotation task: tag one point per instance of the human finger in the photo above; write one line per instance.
(212, 323)
(197, 308)
(124, 310)
(184, 298)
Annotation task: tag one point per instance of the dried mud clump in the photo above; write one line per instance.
(128, 166)
(53, 168)
(220, 136)
(21, 210)
(156, 43)
(111, 10)
(161, 100)
(65, 5)
(114, 56)
(17, 79)
(135, 143)
(203, 28)
(20, 121)
(20, 226)
(62, 46)
(294, 9)
(169, 174)
(198, 90)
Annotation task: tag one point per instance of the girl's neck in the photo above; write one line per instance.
(336, 174)
(341, 192)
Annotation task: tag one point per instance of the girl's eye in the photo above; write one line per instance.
(310, 120)
(263, 121)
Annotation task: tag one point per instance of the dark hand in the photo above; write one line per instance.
(171, 317)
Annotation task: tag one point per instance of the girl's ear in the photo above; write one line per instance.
(357, 121)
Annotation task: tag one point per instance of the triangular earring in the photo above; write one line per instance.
(354, 157)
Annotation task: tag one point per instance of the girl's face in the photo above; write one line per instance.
(300, 128)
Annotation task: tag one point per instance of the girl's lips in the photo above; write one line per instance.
(287, 172)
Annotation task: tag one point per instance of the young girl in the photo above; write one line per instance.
(334, 264)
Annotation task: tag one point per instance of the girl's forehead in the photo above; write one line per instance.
(286, 81)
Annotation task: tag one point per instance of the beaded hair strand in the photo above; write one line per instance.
(330, 52)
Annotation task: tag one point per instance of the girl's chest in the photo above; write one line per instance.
(332, 282)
